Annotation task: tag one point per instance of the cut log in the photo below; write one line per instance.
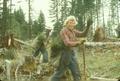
(22, 42)
(101, 43)
(102, 79)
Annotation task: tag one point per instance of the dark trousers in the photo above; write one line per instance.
(43, 52)
(68, 60)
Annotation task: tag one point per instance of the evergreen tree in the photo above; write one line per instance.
(35, 28)
(0, 16)
(39, 24)
(19, 16)
(54, 10)
(81, 9)
(22, 25)
(5, 12)
(41, 21)
(58, 12)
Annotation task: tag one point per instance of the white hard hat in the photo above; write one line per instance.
(49, 28)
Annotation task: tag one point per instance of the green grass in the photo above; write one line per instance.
(103, 63)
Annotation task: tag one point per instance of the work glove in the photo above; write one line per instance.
(89, 22)
(81, 40)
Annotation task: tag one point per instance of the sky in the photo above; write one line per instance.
(36, 5)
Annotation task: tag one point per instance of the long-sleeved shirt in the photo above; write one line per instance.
(69, 37)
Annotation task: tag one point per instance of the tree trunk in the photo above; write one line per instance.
(30, 21)
(103, 14)
(118, 12)
(97, 12)
(4, 18)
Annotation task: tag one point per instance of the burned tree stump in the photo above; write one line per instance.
(99, 35)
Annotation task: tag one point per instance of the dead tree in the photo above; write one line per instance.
(99, 35)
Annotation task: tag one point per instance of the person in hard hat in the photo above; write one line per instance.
(41, 45)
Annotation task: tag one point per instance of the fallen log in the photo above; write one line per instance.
(101, 43)
(22, 42)
(103, 47)
(102, 79)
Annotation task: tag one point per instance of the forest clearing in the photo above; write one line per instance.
(59, 40)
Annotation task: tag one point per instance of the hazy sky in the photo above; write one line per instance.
(37, 5)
